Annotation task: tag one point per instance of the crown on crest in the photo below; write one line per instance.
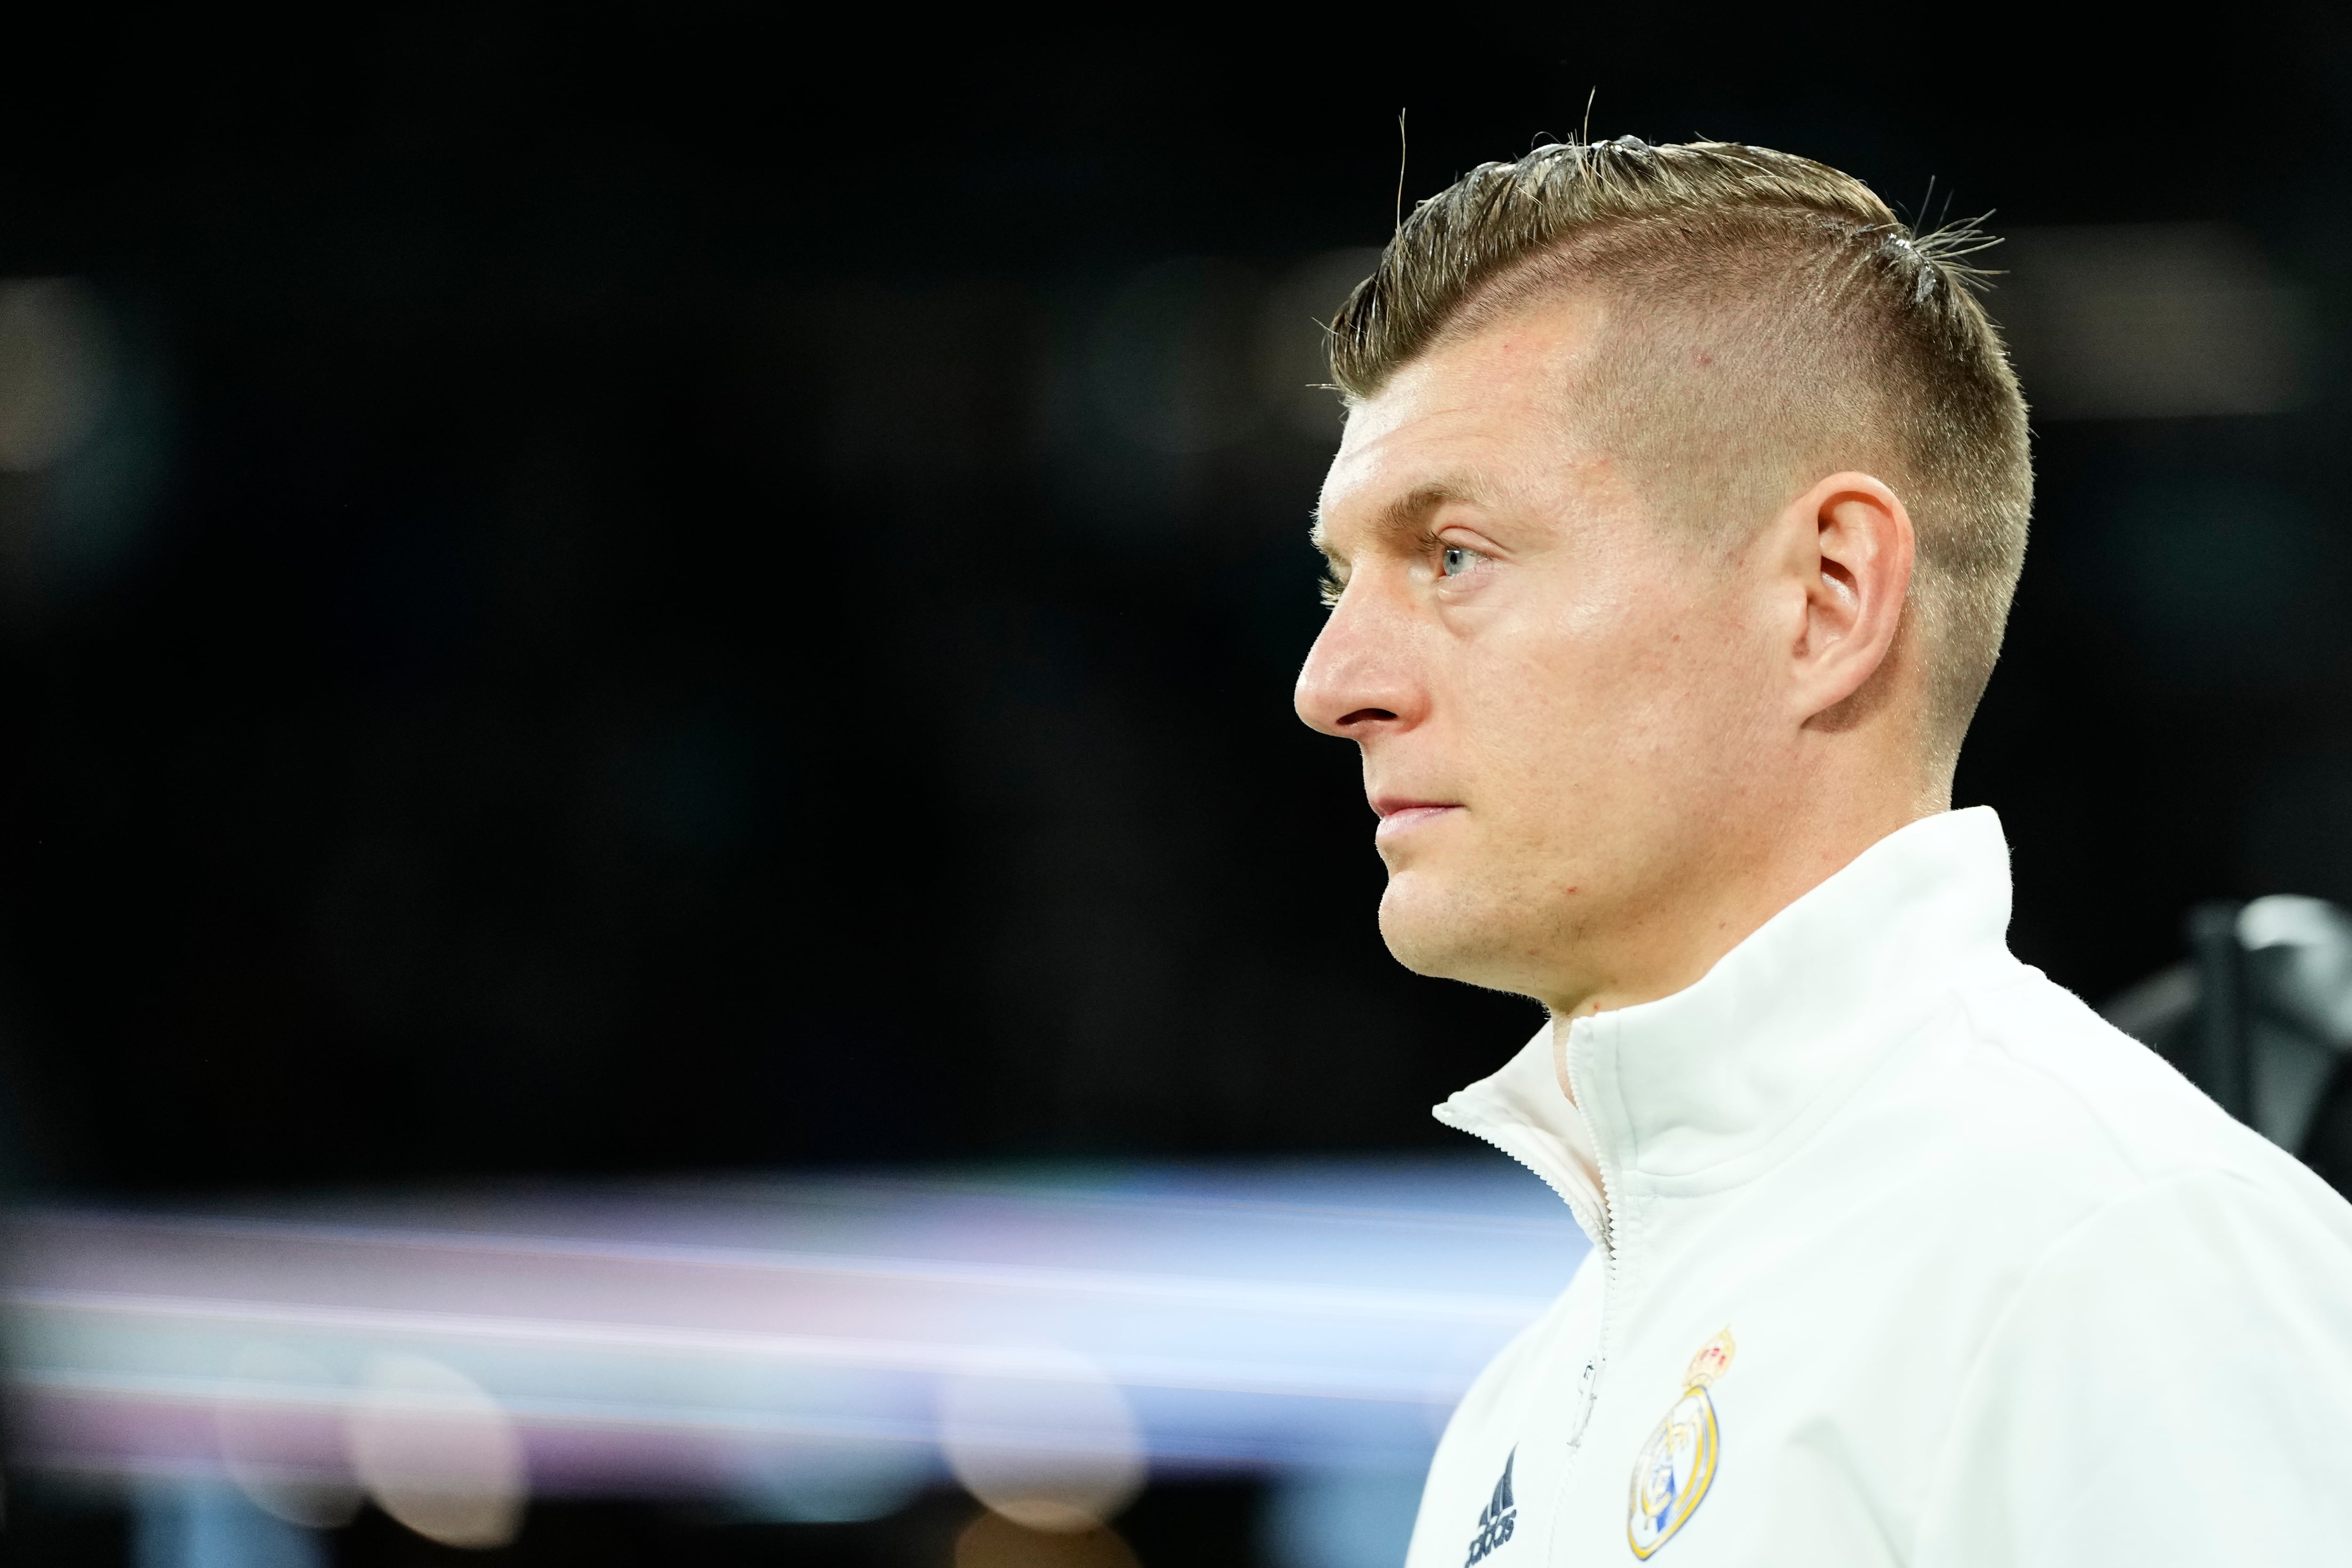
(1714, 1357)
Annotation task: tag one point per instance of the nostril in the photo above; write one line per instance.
(1365, 715)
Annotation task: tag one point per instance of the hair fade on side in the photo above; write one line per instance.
(1864, 345)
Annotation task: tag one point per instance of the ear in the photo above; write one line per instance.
(1850, 549)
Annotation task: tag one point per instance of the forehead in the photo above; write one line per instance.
(1490, 414)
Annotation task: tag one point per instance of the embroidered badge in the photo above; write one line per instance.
(1673, 1471)
(1496, 1519)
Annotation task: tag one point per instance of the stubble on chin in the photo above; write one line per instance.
(1444, 931)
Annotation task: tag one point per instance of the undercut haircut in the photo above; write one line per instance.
(1767, 321)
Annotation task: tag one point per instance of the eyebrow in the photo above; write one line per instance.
(1406, 515)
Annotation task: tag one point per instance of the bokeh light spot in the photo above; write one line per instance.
(992, 1541)
(436, 1452)
(1049, 1443)
(280, 1423)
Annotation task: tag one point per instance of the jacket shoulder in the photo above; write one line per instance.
(2086, 1107)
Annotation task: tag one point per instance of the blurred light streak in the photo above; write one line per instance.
(807, 1348)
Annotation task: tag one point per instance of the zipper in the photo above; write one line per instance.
(1589, 1384)
(1579, 1208)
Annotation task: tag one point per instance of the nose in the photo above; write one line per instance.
(1359, 678)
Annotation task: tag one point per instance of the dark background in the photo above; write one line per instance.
(703, 589)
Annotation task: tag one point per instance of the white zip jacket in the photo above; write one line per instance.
(1902, 1256)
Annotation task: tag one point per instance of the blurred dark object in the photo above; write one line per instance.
(2218, 1052)
(2260, 1017)
(1171, 1526)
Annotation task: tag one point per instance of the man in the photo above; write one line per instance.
(1681, 500)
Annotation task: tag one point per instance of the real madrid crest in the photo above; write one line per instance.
(1672, 1472)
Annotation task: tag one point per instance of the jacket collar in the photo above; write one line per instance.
(1707, 1087)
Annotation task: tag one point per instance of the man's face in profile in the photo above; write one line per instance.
(1552, 685)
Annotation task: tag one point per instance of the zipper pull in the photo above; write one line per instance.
(1584, 1399)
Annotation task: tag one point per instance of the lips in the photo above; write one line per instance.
(1401, 815)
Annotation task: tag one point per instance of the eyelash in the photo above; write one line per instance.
(1328, 589)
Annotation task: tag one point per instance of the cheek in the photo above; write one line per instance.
(1573, 684)
(1596, 705)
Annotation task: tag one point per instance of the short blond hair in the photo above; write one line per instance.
(1783, 324)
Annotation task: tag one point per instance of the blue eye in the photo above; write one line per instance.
(1456, 560)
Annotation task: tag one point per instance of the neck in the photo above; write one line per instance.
(1731, 885)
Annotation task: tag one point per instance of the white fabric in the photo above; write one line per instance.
(2004, 1289)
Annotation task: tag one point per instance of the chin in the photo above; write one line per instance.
(1443, 936)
